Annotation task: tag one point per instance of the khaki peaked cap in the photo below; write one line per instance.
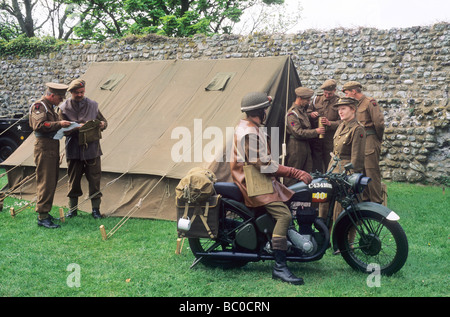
(57, 89)
(351, 85)
(346, 101)
(77, 83)
(304, 92)
(329, 84)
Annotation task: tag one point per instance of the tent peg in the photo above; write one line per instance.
(180, 242)
(103, 232)
(12, 212)
(61, 215)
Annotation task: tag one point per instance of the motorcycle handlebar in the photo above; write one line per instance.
(329, 173)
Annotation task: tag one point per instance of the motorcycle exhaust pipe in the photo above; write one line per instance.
(235, 255)
(252, 257)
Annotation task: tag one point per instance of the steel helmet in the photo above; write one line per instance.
(254, 101)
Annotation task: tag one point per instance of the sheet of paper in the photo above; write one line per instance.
(60, 133)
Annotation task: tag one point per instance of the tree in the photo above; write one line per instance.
(115, 18)
(8, 29)
(37, 17)
(97, 20)
(22, 12)
(281, 18)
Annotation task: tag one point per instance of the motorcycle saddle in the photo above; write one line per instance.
(229, 190)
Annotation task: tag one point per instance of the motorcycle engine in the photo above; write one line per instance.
(305, 243)
(304, 238)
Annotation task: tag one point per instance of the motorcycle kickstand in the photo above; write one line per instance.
(196, 261)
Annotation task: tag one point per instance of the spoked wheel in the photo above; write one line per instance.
(233, 221)
(376, 242)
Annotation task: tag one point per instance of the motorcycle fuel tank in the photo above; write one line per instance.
(318, 191)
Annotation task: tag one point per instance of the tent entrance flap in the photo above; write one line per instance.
(149, 101)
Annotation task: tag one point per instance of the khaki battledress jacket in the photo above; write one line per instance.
(244, 132)
(371, 117)
(321, 147)
(43, 119)
(300, 133)
(349, 144)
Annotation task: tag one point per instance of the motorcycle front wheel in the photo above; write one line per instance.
(375, 243)
(229, 225)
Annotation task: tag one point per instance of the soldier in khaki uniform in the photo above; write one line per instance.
(371, 117)
(350, 137)
(44, 121)
(349, 144)
(85, 158)
(322, 107)
(300, 133)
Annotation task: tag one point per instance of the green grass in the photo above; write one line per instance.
(139, 259)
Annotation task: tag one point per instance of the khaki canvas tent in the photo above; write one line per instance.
(153, 108)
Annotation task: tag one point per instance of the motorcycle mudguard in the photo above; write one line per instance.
(370, 206)
(379, 209)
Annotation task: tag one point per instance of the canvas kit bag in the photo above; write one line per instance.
(89, 132)
(198, 205)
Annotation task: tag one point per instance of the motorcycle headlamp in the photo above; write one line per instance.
(358, 182)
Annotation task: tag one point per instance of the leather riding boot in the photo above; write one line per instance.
(281, 271)
(96, 213)
(73, 203)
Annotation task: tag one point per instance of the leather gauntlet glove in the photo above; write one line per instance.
(286, 171)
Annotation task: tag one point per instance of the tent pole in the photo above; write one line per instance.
(283, 146)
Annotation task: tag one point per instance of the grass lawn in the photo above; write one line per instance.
(139, 260)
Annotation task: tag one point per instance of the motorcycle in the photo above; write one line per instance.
(364, 233)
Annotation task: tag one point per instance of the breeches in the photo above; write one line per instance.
(283, 217)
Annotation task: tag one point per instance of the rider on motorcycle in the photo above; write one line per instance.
(251, 141)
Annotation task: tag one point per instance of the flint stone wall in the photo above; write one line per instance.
(405, 70)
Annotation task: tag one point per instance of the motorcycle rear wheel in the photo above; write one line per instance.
(378, 242)
(224, 242)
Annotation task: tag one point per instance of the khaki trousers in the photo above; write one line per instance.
(46, 158)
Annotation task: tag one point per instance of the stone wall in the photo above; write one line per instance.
(406, 70)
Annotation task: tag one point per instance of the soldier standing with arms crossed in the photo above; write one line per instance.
(45, 123)
(322, 108)
(371, 116)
